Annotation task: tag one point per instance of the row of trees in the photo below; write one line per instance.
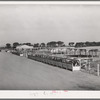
(15, 44)
(55, 44)
(8, 45)
(49, 44)
(85, 44)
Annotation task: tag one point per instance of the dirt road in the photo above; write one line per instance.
(19, 73)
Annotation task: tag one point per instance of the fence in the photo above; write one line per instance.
(88, 66)
(91, 68)
(70, 64)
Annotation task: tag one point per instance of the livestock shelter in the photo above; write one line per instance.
(24, 50)
(24, 47)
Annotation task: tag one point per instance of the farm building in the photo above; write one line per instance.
(24, 47)
(61, 49)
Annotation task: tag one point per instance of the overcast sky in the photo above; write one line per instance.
(43, 23)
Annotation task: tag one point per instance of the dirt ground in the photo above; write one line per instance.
(19, 73)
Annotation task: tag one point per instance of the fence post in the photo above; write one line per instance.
(89, 67)
(98, 69)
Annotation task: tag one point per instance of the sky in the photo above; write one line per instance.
(36, 23)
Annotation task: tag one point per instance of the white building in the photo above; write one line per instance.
(24, 47)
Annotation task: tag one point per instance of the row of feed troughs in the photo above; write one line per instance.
(66, 63)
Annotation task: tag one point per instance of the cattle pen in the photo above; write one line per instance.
(21, 73)
(79, 60)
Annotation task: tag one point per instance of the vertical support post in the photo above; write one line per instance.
(98, 67)
(72, 67)
(92, 53)
(89, 67)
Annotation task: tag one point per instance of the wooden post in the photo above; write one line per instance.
(98, 69)
(89, 67)
(87, 53)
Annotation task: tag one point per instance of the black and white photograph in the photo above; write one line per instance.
(50, 47)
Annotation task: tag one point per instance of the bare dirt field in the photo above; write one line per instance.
(19, 73)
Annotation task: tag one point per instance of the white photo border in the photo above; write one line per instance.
(40, 94)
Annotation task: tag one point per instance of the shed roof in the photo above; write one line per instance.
(24, 47)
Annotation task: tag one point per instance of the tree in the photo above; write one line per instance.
(87, 43)
(42, 44)
(60, 43)
(15, 44)
(48, 44)
(77, 44)
(98, 43)
(80, 44)
(36, 45)
(52, 44)
(8, 45)
(71, 44)
(93, 44)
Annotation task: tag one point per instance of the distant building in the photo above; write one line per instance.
(61, 49)
(24, 47)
